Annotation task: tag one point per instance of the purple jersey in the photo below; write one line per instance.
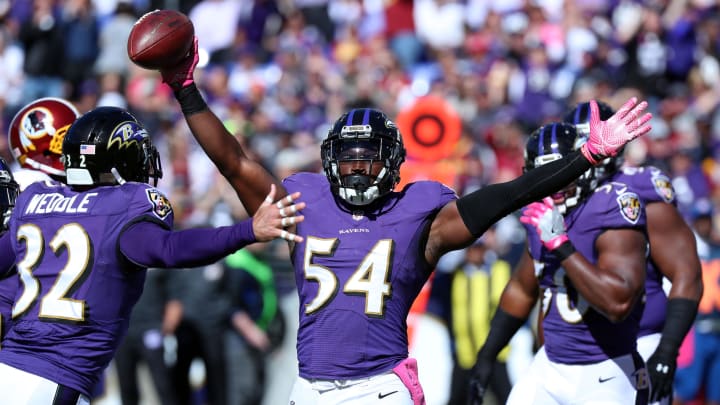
(574, 332)
(652, 185)
(8, 288)
(357, 275)
(73, 307)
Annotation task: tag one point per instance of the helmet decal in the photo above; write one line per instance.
(126, 134)
(36, 123)
(36, 133)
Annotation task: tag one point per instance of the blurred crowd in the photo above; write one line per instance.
(278, 72)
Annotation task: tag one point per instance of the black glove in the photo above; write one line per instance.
(679, 316)
(481, 372)
(661, 369)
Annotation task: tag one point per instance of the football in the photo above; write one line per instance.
(160, 39)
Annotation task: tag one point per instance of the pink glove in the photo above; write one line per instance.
(548, 222)
(181, 76)
(608, 137)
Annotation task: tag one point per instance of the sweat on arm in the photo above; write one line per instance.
(148, 244)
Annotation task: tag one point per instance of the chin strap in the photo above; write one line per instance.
(117, 176)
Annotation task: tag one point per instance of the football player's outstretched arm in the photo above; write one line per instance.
(516, 303)
(149, 244)
(460, 222)
(248, 178)
(673, 250)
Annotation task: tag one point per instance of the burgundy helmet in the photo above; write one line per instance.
(36, 134)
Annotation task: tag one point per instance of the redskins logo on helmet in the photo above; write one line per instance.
(36, 134)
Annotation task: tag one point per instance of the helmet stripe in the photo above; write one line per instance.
(576, 119)
(366, 117)
(541, 141)
(553, 140)
(350, 117)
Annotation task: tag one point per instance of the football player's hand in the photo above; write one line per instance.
(661, 369)
(479, 380)
(181, 76)
(548, 222)
(272, 217)
(608, 137)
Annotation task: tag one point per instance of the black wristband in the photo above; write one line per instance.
(563, 251)
(190, 99)
(679, 317)
(502, 328)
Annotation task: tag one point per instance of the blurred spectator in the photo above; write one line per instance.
(440, 23)
(111, 91)
(465, 297)
(207, 16)
(699, 360)
(153, 319)
(201, 333)
(258, 326)
(702, 217)
(642, 32)
(42, 39)
(689, 181)
(400, 32)
(112, 40)
(530, 89)
(80, 37)
(11, 65)
(315, 14)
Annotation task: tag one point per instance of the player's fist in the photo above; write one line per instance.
(661, 369)
(181, 75)
(548, 222)
(479, 380)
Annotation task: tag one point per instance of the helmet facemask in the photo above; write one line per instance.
(9, 190)
(365, 150)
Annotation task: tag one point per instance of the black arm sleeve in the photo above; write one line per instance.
(502, 328)
(482, 208)
(679, 317)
